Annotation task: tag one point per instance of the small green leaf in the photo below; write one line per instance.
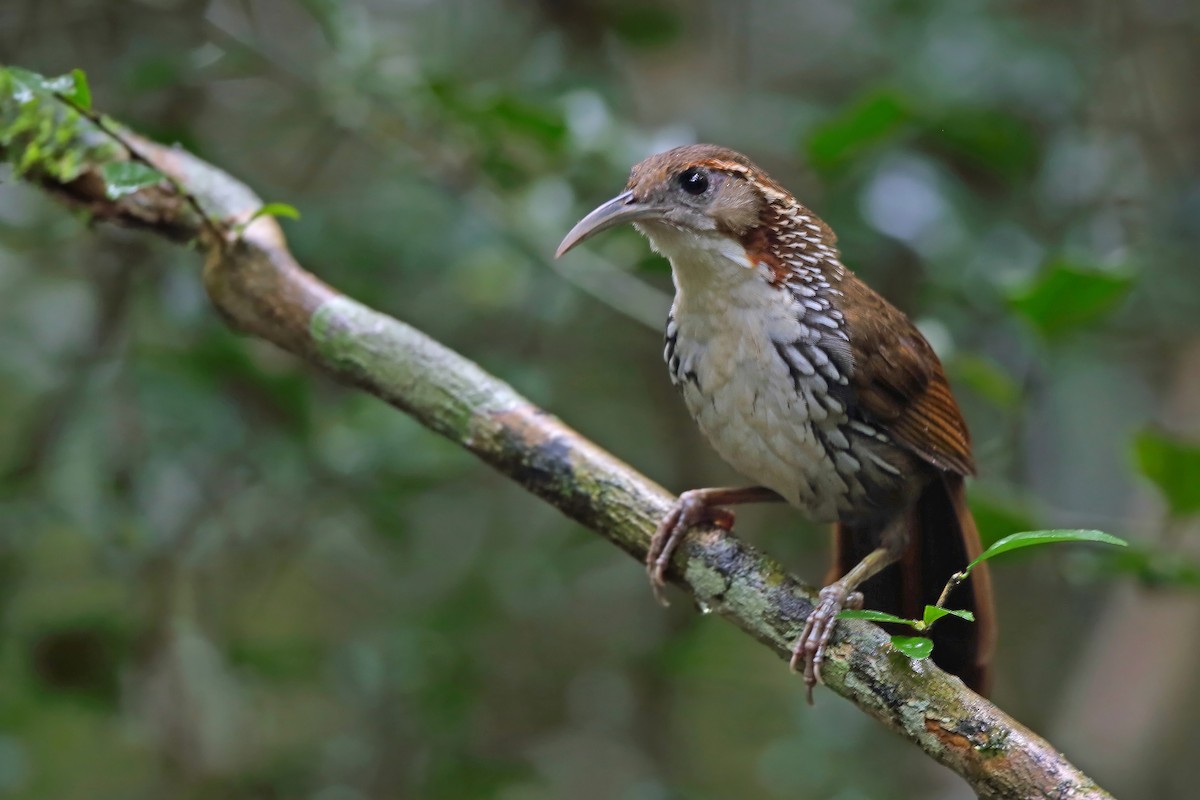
(1031, 538)
(934, 613)
(1173, 466)
(73, 87)
(875, 616)
(913, 646)
(269, 210)
(82, 94)
(126, 177)
(275, 210)
(1067, 296)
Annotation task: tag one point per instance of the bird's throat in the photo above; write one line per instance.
(714, 275)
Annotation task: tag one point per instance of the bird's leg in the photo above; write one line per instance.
(692, 508)
(818, 628)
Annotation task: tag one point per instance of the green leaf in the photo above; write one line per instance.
(1173, 466)
(276, 210)
(1067, 296)
(82, 95)
(269, 210)
(913, 646)
(126, 177)
(847, 135)
(1032, 538)
(934, 613)
(874, 616)
(73, 87)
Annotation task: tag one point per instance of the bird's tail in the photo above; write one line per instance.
(942, 540)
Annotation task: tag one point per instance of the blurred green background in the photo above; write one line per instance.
(223, 576)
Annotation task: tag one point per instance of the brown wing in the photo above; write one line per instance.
(899, 383)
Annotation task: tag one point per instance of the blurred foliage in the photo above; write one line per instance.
(1064, 296)
(44, 134)
(1173, 466)
(223, 576)
(850, 133)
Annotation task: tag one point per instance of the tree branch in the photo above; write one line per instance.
(260, 289)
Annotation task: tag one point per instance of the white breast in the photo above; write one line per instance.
(727, 342)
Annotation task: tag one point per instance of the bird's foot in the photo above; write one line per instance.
(818, 628)
(690, 510)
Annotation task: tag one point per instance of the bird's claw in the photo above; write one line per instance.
(809, 648)
(689, 511)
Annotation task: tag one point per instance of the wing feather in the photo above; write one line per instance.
(899, 382)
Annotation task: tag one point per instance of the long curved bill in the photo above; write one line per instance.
(621, 209)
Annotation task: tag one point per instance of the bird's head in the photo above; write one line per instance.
(693, 194)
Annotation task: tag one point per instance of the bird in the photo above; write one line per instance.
(816, 388)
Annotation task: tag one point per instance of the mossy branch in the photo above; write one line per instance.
(259, 288)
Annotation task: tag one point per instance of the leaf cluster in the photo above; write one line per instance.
(922, 647)
(40, 134)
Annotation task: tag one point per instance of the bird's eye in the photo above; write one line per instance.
(694, 181)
